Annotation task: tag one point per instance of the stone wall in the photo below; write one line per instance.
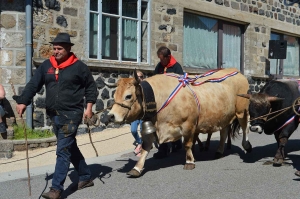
(51, 17)
(12, 44)
(167, 23)
(256, 84)
(8, 146)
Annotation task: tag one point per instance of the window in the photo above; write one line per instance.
(211, 43)
(120, 30)
(290, 65)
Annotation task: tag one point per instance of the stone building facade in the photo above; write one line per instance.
(258, 19)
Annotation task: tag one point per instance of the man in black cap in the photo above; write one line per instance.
(67, 81)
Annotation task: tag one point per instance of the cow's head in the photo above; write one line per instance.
(259, 108)
(128, 101)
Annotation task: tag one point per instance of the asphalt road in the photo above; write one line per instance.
(235, 176)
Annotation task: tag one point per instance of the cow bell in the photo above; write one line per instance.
(148, 128)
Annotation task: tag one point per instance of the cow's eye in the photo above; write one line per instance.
(128, 97)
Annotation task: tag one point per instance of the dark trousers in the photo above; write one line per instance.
(65, 127)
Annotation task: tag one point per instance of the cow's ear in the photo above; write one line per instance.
(248, 96)
(137, 79)
(274, 99)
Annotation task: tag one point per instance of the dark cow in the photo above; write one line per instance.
(267, 112)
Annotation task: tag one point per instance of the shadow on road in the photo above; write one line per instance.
(98, 172)
(259, 153)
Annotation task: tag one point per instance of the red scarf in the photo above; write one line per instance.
(170, 64)
(71, 60)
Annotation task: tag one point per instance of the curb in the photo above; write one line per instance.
(43, 170)
(8, 146)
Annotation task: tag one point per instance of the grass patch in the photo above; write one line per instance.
(31, 133)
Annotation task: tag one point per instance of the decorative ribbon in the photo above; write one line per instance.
(287, 122)
(184, 81)
(293, 117)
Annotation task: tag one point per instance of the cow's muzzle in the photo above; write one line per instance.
(110, 117)
(257, 126)
(256, 129)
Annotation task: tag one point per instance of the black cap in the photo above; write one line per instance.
(62, 38)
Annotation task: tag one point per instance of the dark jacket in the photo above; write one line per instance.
(74, 83)
(176, 68)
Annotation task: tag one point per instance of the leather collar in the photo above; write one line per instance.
(148, 101)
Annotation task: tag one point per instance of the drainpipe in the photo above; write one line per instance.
(28, 56)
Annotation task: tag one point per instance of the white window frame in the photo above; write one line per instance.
(279, 67)
(120, 17)
(220, 42)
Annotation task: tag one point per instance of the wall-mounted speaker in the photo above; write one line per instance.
(277, 49)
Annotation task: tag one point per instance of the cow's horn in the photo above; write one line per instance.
(136, 76)
(110, 84)
(244, 95)
(274, 99)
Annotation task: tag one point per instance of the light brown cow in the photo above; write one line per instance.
(220, 106)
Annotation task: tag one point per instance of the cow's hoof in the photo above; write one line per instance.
(277, 162)
(134, 173)
(218, 155)
(249, 148)
(189, 166)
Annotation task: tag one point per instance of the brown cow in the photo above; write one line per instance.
(219, 108)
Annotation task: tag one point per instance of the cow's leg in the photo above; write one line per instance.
(223, 136)
(196, 139)
(279, 157)
(207, 143)
(148, 140)
(245, 128)
(276, 135)
(229, 141)
(190, 161)
(282, 138)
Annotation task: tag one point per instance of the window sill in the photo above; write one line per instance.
(118, 65)
(107, 64)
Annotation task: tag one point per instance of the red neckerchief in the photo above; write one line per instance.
(170, 64)
(71, 60)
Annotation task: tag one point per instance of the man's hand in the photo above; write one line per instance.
(88, 113)
(20, 109)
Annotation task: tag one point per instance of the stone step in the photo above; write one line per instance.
(6, 154)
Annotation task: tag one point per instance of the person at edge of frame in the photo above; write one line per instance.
(134, 125)
(167, 64)
(67, 80)
(3, 131)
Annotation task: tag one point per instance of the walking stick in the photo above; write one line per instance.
(92, 121)
(26, 143)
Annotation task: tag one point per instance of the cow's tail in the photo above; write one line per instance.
(234, 129)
